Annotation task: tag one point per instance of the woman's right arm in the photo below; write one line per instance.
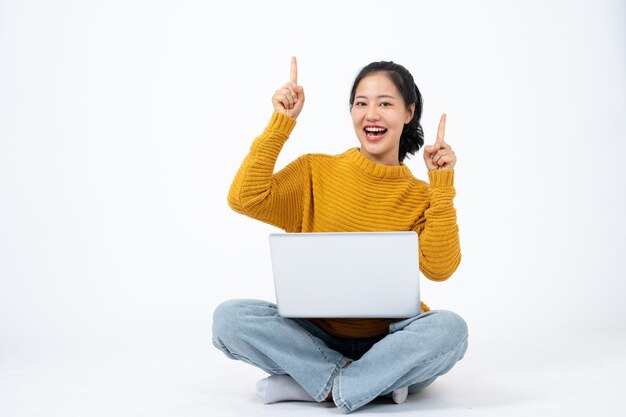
(256, 191)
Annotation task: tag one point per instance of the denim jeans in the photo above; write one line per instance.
(413, 354)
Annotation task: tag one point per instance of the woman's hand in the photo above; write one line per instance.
(440, 155)
(290, 98)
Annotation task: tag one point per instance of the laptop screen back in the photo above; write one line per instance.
(347, 274)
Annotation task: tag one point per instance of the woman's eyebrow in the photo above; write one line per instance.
(380, 96)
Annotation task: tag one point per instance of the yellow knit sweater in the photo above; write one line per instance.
(348, 193)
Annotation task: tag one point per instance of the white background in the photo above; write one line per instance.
(123, 123)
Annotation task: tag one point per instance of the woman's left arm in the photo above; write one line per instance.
(439, 248)
(440, 251)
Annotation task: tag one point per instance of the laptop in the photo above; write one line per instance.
(346, 274)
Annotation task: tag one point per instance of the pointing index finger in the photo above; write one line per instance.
(294, 70)
(442, 129)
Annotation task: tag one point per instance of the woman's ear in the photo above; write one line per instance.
(409, 113)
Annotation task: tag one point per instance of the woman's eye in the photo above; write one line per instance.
(359, 103)
(385, 104)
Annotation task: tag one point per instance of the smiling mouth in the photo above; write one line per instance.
(375, 133)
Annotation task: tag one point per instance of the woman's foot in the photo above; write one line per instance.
(277, 388)
(399, 395)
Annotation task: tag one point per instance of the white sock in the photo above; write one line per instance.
(277, 388)
(399, 395)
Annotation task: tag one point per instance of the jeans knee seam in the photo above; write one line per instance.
(448, 352)
(239, 357)
(220, 347)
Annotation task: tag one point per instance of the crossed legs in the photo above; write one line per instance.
(414, 353)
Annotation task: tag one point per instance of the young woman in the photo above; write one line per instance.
(366, 188)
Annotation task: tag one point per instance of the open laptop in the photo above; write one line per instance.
(346, 274)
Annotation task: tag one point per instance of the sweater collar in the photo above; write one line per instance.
(377, 170)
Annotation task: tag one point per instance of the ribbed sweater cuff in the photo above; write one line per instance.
(281, 123)
(441, 177)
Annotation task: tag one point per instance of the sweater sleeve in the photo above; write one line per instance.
(258, 192)
(440, 251)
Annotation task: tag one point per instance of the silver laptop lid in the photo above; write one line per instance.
(347, 274)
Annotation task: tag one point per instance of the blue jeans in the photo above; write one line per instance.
(413, 354)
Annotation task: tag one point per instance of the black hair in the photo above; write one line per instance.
(412, 137)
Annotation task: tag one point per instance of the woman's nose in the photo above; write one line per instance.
(372, 113)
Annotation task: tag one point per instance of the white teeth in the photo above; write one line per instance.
(374, 129)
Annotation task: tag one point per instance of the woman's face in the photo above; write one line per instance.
(378, 115)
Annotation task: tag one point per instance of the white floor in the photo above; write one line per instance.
(573, 379)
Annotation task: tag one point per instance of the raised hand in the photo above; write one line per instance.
(290, 98)
(440, 155)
